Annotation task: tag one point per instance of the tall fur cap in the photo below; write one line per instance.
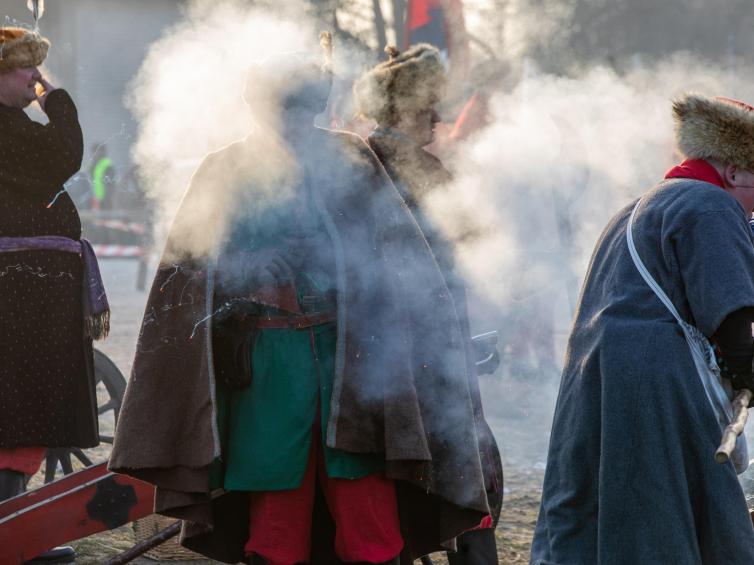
(290, 78)
(408, 83)
(714, 128)
(21, 48)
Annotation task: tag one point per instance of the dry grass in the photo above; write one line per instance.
(100, 548)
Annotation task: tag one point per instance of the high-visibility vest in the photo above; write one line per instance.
(98, 177)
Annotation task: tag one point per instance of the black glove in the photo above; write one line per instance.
(740, 381)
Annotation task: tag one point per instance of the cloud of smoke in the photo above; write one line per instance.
(514, 175)
(506, 174)
(501, 209)
(187, 95)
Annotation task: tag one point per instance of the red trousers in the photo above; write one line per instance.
(365, 512)
(22, 459)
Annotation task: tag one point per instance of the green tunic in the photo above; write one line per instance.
(266, 429)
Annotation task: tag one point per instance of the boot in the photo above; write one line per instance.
(475, 547)
(394, 561)
(63, 554)
(12, 483)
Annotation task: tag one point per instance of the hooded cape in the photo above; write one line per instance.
(400, 383)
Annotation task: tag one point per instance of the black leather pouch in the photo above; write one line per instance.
(232, 343)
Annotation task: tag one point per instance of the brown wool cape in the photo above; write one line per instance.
(400, 384)
(417, 174)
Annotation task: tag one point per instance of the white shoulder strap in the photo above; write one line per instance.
(702, 354)
(643, 270)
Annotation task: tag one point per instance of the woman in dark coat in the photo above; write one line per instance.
(47, 396)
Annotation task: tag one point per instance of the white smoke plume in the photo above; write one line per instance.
(187, 101)
(187, 95)
(506, 174)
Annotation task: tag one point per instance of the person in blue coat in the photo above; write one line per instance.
(631, 476)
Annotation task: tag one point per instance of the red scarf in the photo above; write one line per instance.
(698, 170)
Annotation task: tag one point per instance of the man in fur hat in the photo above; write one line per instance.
(400, 95)
(299, 351)
(47, 396)
(631, 476)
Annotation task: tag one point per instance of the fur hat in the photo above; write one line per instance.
(21, 48)
(291, 78)
(714, 128)
(408, 83)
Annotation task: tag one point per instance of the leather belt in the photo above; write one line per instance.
(298, 321)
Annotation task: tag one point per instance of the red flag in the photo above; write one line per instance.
(440, 23)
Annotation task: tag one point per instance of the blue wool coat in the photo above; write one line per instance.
(631, 477)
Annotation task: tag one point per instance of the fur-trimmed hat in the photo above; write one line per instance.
(408, 83)
(21, 48)
(291, 78)
(715, 128)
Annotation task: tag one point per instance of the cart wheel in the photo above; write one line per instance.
(107, 373)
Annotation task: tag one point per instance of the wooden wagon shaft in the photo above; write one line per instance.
(141, 548)
(76, 506)
(736, 426)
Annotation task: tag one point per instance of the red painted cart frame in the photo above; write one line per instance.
(78, 505)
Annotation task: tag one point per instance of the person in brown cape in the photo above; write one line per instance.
(294, 266)
(400, 95)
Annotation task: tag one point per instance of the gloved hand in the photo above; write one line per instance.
(269, 266)
(241, 273)
(741, 380)
(313, 247)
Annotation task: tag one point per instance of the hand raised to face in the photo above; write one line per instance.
(43, 90)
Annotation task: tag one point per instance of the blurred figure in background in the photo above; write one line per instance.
(102, 172)
(487, 78)
(527, 319)
(400, 95)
